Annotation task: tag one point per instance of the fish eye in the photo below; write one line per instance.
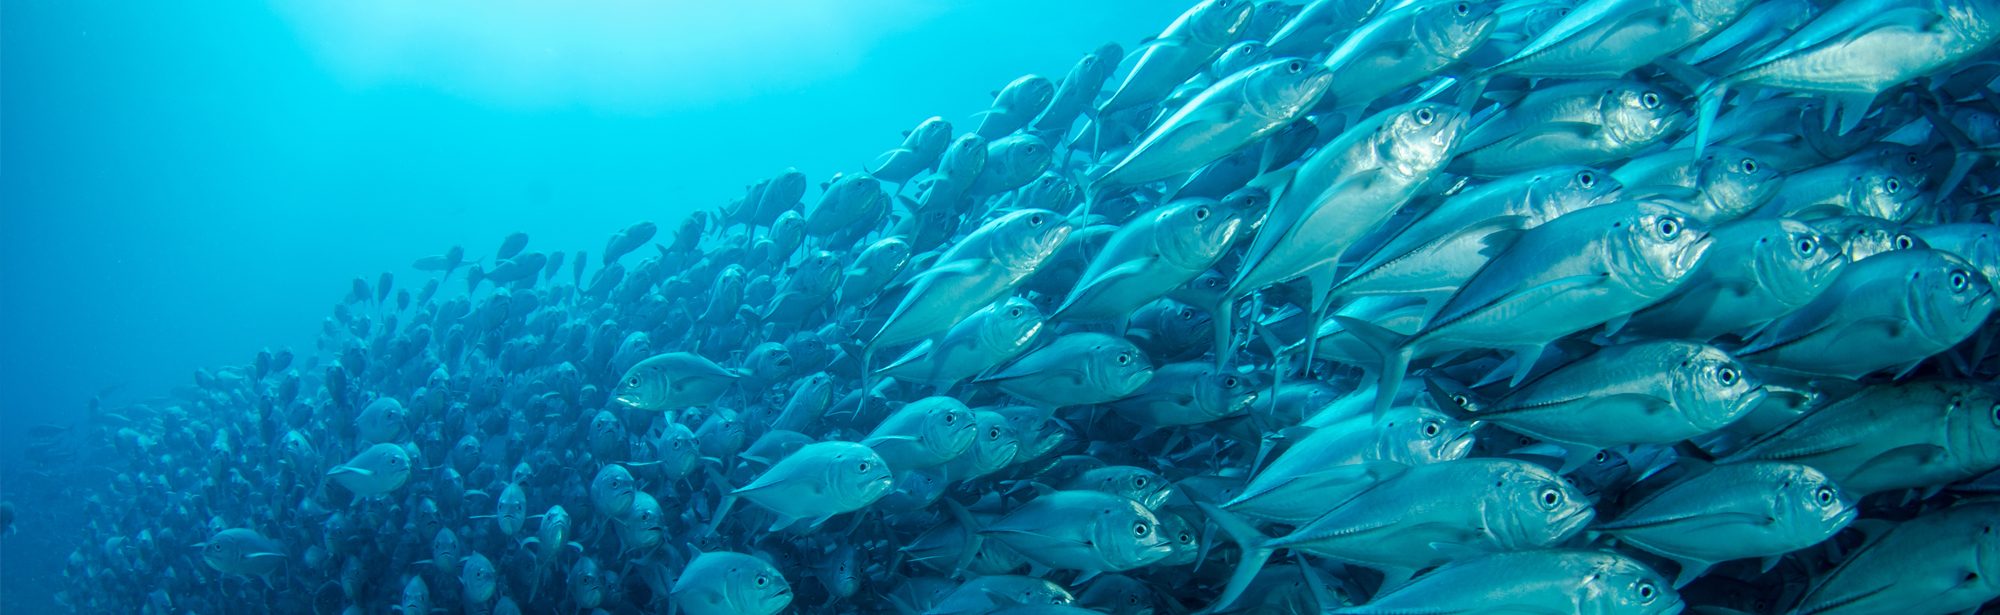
(1600, 457)
(1014, 312)
(1461, 400)
(1586, 179)
(1959, 280)
(1825, 495)
(1807, 246)
(1431, 429)
(993, 434)
(1550, 498)
(1139, 482)
(1650, 100)
(1749, 165)
(1726, 375)
(1201, 213)
(1996, 413)
(1124, 358)
(1903, 242)
(1035, 220)
(632, 382)
(1229, 382)
(1295, 67)
(1669, 227)
(1187, 314)
(863, 466)
(763, 580)
(1425, 116)
(1462, 9)
(1140, 529)
(1893, 185)
(1646, 592)
(950, 417)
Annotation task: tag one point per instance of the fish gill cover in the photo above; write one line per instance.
(1613, 306)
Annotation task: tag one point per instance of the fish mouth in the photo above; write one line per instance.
(1458, 447)
(1569, 524)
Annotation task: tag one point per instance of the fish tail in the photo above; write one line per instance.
(972, 537)
(1394, 352)
(728, 500)
(1710, 95)
(1256, 551)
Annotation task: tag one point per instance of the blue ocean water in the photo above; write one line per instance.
(1281, 306)
(184, 184)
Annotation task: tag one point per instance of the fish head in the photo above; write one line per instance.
(1733, 183)
(1181, 537)
(860, 476)
(1711, 388)
(1973, 424)
(1948, 297)
(1137, 484)
(1882, 192)
(1238, 57)
(1011, 324)
(1217, 22)
(1119, 367)
(1416, 435)
(1811, 504)
(1417, 139)
(751, 585)
(1661, 245)
(614, 489)
(1454, 28)
(1568, 189)
(948, 426)
(1794, 261)
(996, 439)
(1622, 585)
(1635, 112)
(1545, 509)
(1128, 536)
(645, 386)
(1196, 233)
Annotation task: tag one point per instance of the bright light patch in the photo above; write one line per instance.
(628, 56)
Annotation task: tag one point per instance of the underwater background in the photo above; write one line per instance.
(184, 184)
(1364, 307)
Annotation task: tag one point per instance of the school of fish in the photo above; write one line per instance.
(1350, 306)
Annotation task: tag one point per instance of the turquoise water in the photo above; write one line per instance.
(183, 184)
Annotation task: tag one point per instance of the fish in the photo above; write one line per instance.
(674, 380)
(1757, 271)
(1891, 436)
(726, 583)
(1075, 369)
(927, 432)
(1091, 532)
(1581, 122)
(972, 275)
(818, 481)
(1541, 288)
(1343, 191)
(377, 470)
(1552, 581)
(1734, 511)
(1941, 560)
(1191, 42)
(1421, 518)
(1889, 311)
(981, 342)
(1339, 459)
(242, 551)
(1651, 392)
(625, 241)
(1240, 109)
(921, 148)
